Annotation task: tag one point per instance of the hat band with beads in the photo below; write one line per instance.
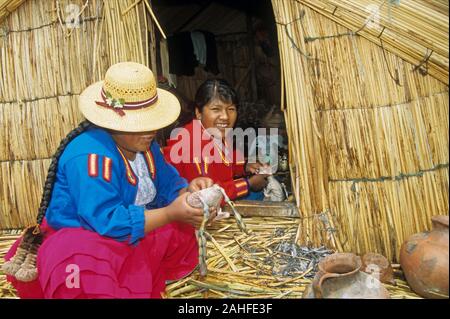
(128, 100)
(118, 105)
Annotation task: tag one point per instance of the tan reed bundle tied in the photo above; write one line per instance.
(255, 257)
(206, 198)
(381, 146)
(39, 100)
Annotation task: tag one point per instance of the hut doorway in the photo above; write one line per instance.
(240, 40)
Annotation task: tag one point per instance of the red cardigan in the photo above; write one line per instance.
(228, 173)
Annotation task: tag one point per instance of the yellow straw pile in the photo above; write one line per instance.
(236, 264)
(238, 267)
(6, 240)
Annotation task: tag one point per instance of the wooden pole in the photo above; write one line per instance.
(251, 47)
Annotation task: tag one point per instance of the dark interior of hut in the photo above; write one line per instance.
(241, 45)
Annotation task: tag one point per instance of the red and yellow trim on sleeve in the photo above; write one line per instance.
(150, 163)
(205, 165)
(198, 165)
(131, 177)
(241, 187)
(107, 165)
(93, 165)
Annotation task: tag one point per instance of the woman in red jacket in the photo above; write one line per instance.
(204, 148)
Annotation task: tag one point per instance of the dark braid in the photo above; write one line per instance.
(23, 264)
(50, 181)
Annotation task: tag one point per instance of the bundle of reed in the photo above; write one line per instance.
(54, 48)
(21, 191)
(417, 31)
(66, 45)
(7, 238)
(387, 141)
(34, 129)
(8, 6)
(380, 127)
(379, 216)
(377, 78)
(242, 266)
(6, 290)
(307, 164)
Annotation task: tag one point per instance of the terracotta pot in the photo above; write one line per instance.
(424, 260)
(378, 266)
(339, 276)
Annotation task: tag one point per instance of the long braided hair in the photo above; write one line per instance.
(23, 264)
(51, 174)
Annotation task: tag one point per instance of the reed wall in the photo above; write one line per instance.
(45, 63)
(368, 132)
(8, 6)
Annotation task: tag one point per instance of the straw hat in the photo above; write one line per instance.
(129, 101)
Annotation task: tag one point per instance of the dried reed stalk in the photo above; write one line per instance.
(39, 89)
(379, 127)
(254, 279)
(8, 6)
(413, 30)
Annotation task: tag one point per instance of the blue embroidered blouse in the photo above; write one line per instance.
(95, 188)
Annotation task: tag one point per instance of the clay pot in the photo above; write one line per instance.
(424, 260)
(378, 266)
(339, 276)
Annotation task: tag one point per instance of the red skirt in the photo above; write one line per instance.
(78, 263)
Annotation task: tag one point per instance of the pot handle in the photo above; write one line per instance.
(318, 280)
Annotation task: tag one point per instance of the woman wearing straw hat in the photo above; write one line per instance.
(117, 224)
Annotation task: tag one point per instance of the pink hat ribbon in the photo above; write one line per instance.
(119, 105)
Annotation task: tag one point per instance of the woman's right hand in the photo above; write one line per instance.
(257, 182)
(179, 210)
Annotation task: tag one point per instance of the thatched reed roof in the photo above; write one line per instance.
(415, 30)
(8, 6)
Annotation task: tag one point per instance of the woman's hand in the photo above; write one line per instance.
(199, 183)
(254, 168)
(179, 210)
(212, 215)
(257, 182)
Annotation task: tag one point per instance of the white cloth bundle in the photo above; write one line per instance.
(273, 191)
